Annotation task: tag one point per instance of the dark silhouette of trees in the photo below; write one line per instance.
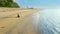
(8, 3)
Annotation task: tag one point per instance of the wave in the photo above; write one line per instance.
(50, 21)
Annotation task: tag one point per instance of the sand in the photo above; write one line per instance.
(11, 24)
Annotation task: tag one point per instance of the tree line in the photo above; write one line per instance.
(8, 3)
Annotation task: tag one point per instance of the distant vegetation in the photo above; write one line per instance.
(8, 3)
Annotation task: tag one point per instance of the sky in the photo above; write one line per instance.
(39, 3)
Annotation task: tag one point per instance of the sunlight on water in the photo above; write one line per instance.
(50, 20)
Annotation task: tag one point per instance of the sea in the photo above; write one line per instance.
(50, 21)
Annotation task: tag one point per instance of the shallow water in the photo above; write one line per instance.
(50, 21)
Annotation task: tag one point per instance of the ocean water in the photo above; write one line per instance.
(50, 21)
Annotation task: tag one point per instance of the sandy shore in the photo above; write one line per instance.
(10, 24)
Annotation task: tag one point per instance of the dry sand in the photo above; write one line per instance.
(10, 24)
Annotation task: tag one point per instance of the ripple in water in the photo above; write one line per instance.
(50, 21)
